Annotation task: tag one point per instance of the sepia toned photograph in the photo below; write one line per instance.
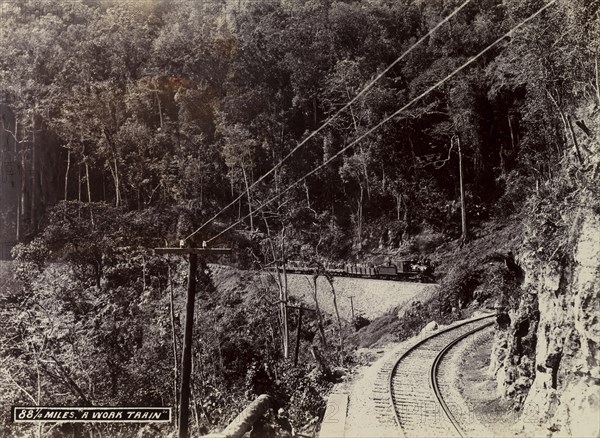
(299, 218)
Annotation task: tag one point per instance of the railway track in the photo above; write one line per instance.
(418, 406)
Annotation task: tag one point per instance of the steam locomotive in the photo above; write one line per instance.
(403, 270)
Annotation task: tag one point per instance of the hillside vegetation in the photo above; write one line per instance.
(178, 107)
(125, 126)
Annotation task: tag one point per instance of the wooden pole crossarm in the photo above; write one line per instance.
(199, 251)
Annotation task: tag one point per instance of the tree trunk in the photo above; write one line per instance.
(18, 224)
(114, 172)
(159, 109)
(201, 190)
(512, 135)
(562, 116)
(246, 419)
(282, 311)
(307, 193)
(360, 216)
(512, 144)
(67, 173)
(597, 79)
(173, 342)
(339, 320)
(327, 152)
(286, 335)
(284, 319)
(462, 195)
(117, 185)
(34, 185)
(318, 312)
(584, 128)
(364, 163)
(249, 198)
(115, 179)
(575, 142)
(22, 194)
(79, 183)
(15, 145)
(89, 189)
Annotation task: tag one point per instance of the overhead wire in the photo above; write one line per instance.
(333, 117)
(387, 119)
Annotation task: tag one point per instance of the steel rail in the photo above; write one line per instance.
(433, 370)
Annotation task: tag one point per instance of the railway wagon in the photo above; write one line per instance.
(360, 271)
(403, 270)
(387, 271)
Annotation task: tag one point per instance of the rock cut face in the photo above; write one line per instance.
(546, 355)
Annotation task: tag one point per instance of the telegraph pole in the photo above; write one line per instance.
(186, 356)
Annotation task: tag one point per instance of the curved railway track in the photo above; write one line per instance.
(418, 406)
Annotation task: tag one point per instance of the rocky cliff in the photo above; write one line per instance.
(546, 356)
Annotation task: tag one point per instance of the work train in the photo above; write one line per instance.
(403, 270)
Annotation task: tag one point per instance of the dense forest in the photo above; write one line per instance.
(128, 125)
(164, 106)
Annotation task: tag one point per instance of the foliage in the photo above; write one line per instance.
(92, 319)
(154, 115)
(174, 106)
(555, 211)
(85, 330)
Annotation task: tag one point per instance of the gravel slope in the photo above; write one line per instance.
(371, 298)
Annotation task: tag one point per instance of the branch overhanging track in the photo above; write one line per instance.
(417, 404)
